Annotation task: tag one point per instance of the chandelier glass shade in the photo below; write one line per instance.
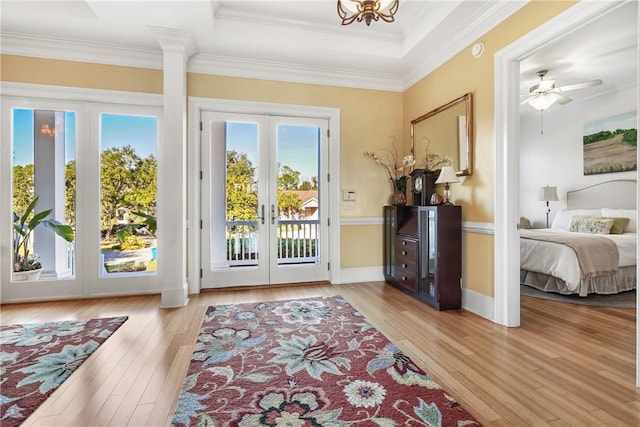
(543, 101)
(367, 10)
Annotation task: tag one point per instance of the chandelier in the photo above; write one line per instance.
(367, 10)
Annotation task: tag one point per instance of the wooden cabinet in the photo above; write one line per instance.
(423, 252)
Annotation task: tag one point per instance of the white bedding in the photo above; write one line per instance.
(560, 260)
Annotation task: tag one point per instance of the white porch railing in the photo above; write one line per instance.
(298, 242)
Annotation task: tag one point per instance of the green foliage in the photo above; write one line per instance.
(630, 136)
(23, 227)
(310, 185)
(288, 203)
(127, 181)
(288, 179)
(132, 243)
(70, 193)
(297, 248)
(150, 222)
(242, 199)
(23, 187)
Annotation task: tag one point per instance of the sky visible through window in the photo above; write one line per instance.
(23, 136)
(298, 146)
(117, 130)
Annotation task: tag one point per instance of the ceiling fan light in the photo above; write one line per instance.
(542, 101)
(367, 10)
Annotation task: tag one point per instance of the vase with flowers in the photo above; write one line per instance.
(398, 171)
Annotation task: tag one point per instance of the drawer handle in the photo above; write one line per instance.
(404, 266)
(404, 252)
(404, 243)
(404, 278)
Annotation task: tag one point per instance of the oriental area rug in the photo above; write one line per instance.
(35, 358)
(308, 362)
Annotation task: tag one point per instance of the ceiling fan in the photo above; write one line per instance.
(544, 94)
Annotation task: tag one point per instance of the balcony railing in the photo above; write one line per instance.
(297, 242)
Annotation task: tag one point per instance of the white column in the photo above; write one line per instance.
(48, 135)
(172, 168)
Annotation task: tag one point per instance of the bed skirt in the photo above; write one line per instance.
(623, 280)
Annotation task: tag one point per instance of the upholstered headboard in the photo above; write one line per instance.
(615, 194)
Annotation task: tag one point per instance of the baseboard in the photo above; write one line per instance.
(361, 274)
(478, 303)
(174, 298)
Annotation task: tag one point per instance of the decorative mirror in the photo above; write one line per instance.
(445, 131)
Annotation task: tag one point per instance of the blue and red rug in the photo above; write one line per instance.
(309, 362)
(36, 358)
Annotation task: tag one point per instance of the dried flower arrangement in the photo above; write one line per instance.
(399, 171)
(434, 161)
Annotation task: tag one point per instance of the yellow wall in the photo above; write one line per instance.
(461, 74)
(22, 69)
(368, 119)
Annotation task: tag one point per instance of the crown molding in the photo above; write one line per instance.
(73, 50)
(295, 73)
(475, 26)
(68, 50)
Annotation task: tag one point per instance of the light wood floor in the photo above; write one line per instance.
(566, 365)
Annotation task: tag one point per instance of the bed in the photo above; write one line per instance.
(585, 251)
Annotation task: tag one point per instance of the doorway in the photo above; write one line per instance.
(264, 200)
(507, 183)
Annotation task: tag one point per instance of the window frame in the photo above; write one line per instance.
(87, 105)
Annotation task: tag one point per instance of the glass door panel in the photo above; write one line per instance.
(44, 171)
(128, 186)
(298, 233)
(241, 200)
(266, 170)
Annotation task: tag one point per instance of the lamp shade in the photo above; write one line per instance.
(548, 194)
(447, 175)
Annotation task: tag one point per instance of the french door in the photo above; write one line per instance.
(264, 202)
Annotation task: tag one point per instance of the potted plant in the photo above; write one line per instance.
(25, 265)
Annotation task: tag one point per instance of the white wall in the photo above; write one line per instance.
(555, 157)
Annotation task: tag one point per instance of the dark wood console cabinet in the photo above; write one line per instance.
(423, 252)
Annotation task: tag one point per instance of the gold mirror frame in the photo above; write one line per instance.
(448, 133)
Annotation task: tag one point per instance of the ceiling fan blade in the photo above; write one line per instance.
(578, 86)
(561, 99)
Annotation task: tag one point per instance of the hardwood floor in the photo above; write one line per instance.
(567, 365)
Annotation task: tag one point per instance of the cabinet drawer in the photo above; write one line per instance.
(407, 278)
(406, 251)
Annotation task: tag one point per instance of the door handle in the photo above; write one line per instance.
(262, 216)
(273, 214)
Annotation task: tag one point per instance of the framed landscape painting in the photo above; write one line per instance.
(610, 144)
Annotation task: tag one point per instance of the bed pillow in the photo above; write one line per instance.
(591, 224)
(632, 227)
(619, 224)
(563, 216)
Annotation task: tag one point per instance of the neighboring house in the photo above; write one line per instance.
(309, 207)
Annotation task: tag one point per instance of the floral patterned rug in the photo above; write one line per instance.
(308, 362)
(36, 358)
